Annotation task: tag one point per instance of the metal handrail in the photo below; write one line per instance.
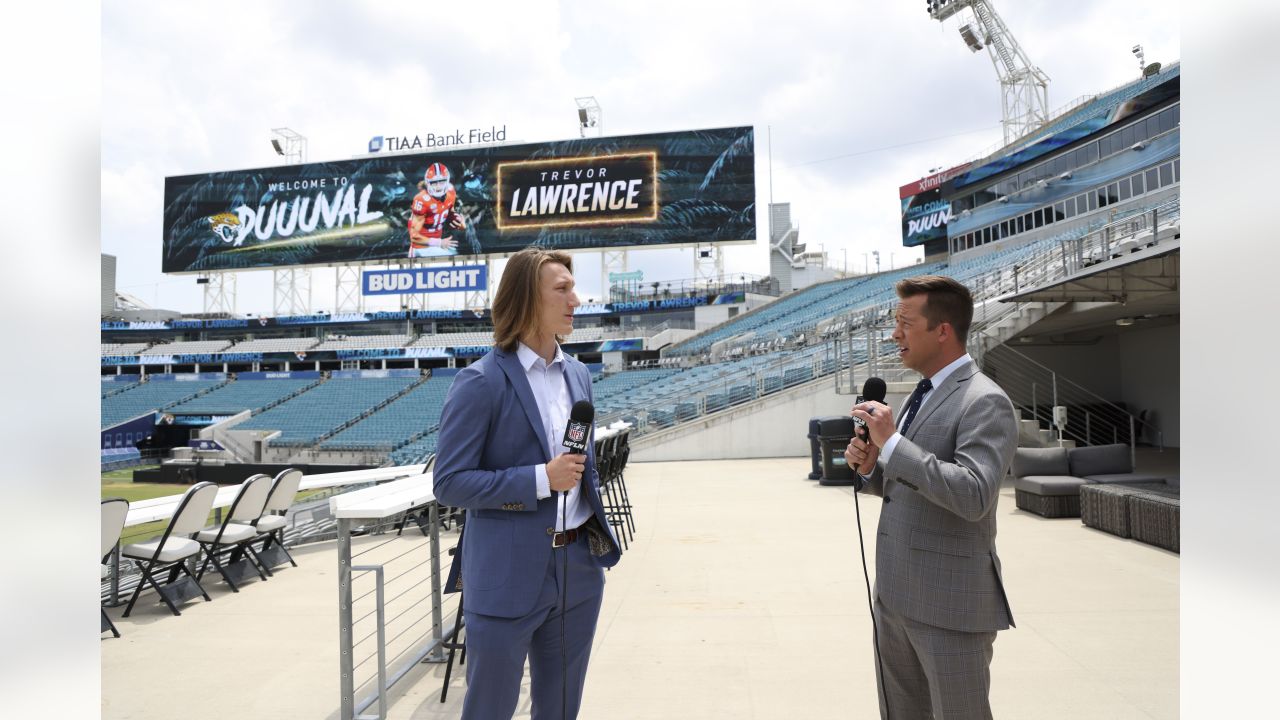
(1034, 378)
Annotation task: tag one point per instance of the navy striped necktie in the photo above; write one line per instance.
(917, 397)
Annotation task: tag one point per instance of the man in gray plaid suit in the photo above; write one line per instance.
(939, 597)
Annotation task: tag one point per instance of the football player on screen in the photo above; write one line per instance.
(433, 214)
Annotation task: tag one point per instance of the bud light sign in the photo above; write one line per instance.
(455, 278)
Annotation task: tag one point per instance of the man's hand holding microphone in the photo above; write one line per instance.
(873, 426)
(565, 471)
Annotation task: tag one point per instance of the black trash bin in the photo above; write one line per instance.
(815, 449)
(834, 434)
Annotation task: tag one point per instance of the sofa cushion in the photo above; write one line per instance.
(1040, 461)
(1051, 485)
(1127, 477)
(1100, 460)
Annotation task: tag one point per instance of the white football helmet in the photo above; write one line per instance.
(437, 179)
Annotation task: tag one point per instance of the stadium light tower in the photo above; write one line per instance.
(590, 116)
(1142, 58)
(289, 145)
(292, 293)
(591, 119)
(1024, 88)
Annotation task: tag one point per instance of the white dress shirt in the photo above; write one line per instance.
(551, 392)
(937, 380)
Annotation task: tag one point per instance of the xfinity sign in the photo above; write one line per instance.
(457, 278)
(436, 141)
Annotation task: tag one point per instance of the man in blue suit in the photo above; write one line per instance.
(536, 540)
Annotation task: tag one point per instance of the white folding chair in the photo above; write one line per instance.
(171, 550)
(114, 511)
(236, 531)
(272, 523)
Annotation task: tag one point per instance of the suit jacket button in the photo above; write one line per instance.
(551, 531)
(887, 499)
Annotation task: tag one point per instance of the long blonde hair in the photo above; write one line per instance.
(516, 306)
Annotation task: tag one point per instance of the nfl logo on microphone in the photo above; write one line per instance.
(577, 433)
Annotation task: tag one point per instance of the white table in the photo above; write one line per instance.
(163, 508)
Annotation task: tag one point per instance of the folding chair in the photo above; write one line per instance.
(114, 511)
(236, 532)
(607, 466)
(272, 523)
(456, 642)
(171, 550)
(621, 454)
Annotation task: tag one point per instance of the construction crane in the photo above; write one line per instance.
(1024, 88)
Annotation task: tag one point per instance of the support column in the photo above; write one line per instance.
(220, 293)
(347, 292)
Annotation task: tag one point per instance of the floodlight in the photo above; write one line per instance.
(970, 37)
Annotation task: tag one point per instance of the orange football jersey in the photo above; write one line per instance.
(434, 213)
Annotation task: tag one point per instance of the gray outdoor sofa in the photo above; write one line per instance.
(1098, 485)
(1047, 481)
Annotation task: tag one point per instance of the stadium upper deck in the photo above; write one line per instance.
(1120, 148)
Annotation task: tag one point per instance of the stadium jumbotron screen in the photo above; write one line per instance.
(684, 187)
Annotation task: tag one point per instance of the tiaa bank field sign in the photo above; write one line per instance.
(455, 278)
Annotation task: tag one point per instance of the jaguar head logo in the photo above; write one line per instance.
(226, 226)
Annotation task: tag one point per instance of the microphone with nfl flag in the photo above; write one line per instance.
(575, 439)
(575, 433)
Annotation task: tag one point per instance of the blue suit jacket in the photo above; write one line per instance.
(491, 439)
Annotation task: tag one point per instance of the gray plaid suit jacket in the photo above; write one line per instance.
(936, 559)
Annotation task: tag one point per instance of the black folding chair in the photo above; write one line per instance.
(237, 532)
(456, 642)
(171, 550)
(271, 524)
(114, 511)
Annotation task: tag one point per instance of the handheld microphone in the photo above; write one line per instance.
(575, 438)
(579, 427)
(873, 389)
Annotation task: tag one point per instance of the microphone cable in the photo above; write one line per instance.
(875, 631)
(564, 605)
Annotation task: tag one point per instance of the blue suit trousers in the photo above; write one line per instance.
(498, 647)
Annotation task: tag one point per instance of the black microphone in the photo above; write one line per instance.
(579, 427)
(873, 389)
(575, 438)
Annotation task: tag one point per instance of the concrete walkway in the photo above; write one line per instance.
(742, 596)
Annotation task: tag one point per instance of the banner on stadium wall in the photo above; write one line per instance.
(375, 374)
(189, 419)
(628, 191)
(280, 375)
(457, 278)
(187, 377)
(621, 345)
